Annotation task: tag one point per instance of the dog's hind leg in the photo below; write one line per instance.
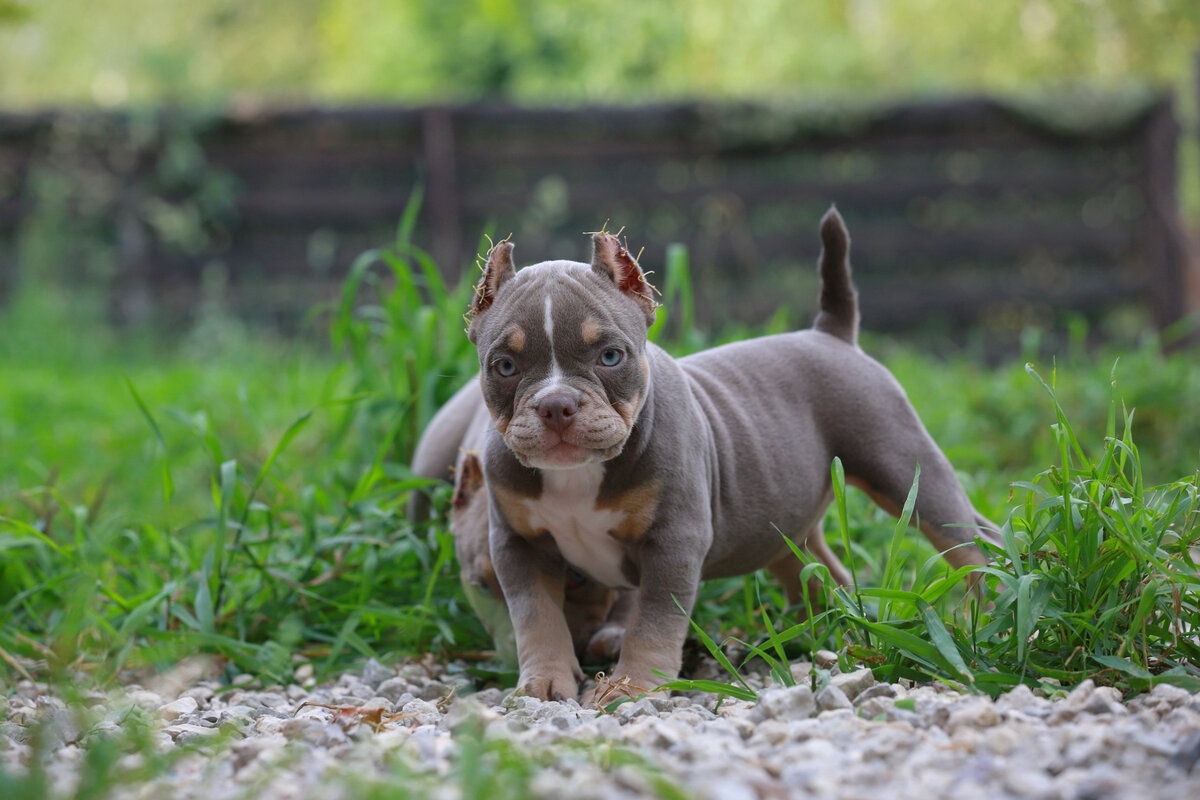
(942, 510)
(786, 568)
(885, 471)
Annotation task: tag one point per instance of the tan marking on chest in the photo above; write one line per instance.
(512, 506)
(639, 506)
(590, 329)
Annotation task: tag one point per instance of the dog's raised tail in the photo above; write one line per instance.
(838, 314)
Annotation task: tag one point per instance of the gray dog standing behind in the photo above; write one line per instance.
(649, 474)
(451, 448)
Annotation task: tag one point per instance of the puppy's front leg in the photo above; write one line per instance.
(654, 639)
(532, 580)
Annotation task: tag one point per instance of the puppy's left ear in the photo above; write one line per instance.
(498, 269)
(613, 261)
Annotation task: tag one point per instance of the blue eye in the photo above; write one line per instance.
(611, 357)
(505, 367)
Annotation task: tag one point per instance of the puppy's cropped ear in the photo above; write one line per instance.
(467, 482)
(498, 269)
(613, 261)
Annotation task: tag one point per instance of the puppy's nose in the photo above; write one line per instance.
(557, 411)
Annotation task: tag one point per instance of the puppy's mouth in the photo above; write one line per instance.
(565, 455)
(559, 454)
(596, 433)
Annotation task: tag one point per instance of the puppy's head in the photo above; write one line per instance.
(562, 352)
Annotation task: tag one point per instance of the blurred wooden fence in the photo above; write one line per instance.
(966, 210)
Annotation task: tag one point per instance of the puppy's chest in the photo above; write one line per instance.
(582, 530)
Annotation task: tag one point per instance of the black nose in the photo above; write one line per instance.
(557, 411)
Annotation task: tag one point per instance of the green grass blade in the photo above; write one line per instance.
(944, 642)
(711, 687)
(714, 650)
(168, 483)
(29, 530)
(1124, 665)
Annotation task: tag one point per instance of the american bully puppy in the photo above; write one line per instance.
(649, 474)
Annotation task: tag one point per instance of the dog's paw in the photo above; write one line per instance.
(550, 684)
(605, 644)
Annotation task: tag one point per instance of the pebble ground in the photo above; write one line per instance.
(855, 738)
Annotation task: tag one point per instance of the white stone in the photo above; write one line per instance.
(771, 732)
(792, 702)
(854, 683)
(375, 673)
(141, 697)
(977, 713)
(832, 698)
(1019, 698)
(184, 731)
(178, 708)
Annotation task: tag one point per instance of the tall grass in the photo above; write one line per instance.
(249, 503)
(257, 541)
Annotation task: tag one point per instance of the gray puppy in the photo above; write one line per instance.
(648, 473)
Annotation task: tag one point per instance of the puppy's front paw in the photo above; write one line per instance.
(605, 644)
(550, 684)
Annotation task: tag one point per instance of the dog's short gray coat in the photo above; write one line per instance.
(656, 473)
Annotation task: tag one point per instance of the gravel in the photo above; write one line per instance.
(418, 724)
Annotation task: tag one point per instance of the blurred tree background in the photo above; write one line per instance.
(139, 51)
(134, 52)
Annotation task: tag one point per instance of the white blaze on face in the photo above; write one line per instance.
(548, 325)
(554, 383)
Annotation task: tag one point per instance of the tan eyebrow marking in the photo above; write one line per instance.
(590, 330)
(516, 338)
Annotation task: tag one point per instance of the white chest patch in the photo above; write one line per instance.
(567, 509)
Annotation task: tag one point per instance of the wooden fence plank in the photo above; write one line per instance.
(958, 206)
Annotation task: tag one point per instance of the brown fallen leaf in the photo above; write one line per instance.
(350, 717)
(610, 688)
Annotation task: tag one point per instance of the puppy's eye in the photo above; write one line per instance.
(611, 357)
(505, 367)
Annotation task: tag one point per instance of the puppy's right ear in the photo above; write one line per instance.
(498, 269)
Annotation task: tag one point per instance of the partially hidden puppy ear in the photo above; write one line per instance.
(497, 269)
(611, 259)
(468, 481)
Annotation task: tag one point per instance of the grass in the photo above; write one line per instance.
(226, 492)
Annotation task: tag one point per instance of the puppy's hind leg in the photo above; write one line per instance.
(942, 511)
(786, 568)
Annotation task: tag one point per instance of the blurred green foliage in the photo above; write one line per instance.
(153, 50)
